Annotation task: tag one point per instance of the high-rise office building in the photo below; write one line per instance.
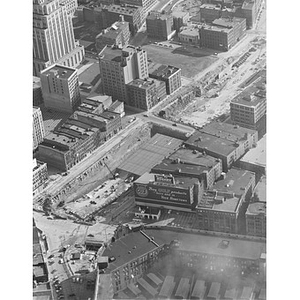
(38, 127)
(119, 67)
(71, 5)
(53, 36)
(60, 88)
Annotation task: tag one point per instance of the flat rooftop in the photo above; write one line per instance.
(69, 133)
(227, 22)
(190, 31)
(209, 244)
(97, 98)
(114, 30)
(168, 166)
(154, 15)
(155, 149)
(227, 131)
(59, 71)
(215, 28)
(211, 143)
(257, 155)
(142, 84)
(253, 94)
(194, 157)
(110, 53)
(210, 6)
(235, 182)
(109, 115)
(127, 248)
(164, 71)
(179, 182)
(257, 208)
(217, 202)
(124, 10)
(179, 14)
(261, 189)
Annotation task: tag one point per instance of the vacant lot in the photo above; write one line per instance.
(190, 60)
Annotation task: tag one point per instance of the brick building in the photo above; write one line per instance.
(189, 35)
(140, 249)
(180, 19)
(69, 144)
(256, 222)
(209, 12)
(159, 25)
(225, 141)
(146, 5)
(248, 109)
(191, 163)
(60, 88)
(166, 191)
(223, 34)
(37, 91)
(120, 67)
(40, 174)
(38, 127)
(95, 104)
(169, 74)
(222, 207)
(117, 34)
(132, 15)
(144, 94)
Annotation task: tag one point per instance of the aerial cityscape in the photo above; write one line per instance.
(149, 149)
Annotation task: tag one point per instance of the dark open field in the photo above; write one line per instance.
(190, 60)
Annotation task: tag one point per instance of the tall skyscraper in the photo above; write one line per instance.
(60, 88)
(119, 67)
(53, 36)
(38, 127)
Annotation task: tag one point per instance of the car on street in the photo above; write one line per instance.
(174, 124)
(50, 256)
(145, 115)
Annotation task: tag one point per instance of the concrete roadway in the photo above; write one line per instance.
(166, 123)
(96, 155)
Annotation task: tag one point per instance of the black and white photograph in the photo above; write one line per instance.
(150, 149)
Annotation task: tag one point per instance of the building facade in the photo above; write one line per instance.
(222, 207)
(189, 35)
(37, 91)
(132, 15)
(225, 141)
(71, 5)
(209, 12)
(256, 223)
(60, 88)
(223, 34)
(40, 174)
(144, 94)
(38, 127)
(169, 74)
(159, 25)
(191, 163)
(146, 5)
(180, 19)
(117, 34)
(120, 67)
(250, 106)
(53, 36)
(167, 191)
